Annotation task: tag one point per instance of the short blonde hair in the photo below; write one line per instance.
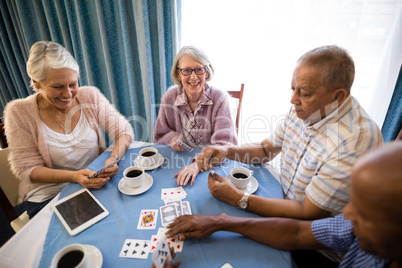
(45, 55)
(198, 55)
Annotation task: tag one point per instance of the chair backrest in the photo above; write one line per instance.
(8, 182)
(237, 95)
(3, 139)
(9, 193)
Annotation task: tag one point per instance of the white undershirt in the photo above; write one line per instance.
(73, 152)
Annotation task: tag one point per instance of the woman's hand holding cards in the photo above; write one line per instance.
(82, 177)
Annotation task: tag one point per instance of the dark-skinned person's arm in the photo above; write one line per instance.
(279, 233)
(249, 154)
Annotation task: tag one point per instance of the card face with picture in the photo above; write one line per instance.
(135, 248)
(148, 219)
(161, 253)
(168, 214)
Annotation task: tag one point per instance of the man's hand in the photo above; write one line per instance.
(193, 226)
(211, 156)
(223, 189)
(186, 173)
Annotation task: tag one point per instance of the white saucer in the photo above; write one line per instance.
(95, 254)
(158, 163)
(252, 185)
(128, 190)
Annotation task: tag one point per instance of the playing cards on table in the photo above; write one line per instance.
(148, 218)
(162, 251)
(169, 194)
(135, 248)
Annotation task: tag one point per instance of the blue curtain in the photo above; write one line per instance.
(123, 47)
(393, 120)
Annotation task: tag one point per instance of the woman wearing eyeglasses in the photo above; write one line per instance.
(193, 112)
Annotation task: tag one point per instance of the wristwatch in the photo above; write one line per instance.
(243, 202)
(115, 156)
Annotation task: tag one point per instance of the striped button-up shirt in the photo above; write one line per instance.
(317, 159)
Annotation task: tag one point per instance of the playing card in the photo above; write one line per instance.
(178, 205)
(135, 248)
(161, 253)
(173, 193)
(148, 219)
(186, 209)
(175, 243)
(168, 214)
(154, 243)
(161, 231)
(100, 171)
(172, 242)
(182, 144)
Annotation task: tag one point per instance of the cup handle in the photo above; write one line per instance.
(251, 173)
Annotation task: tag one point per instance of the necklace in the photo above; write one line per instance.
(65, 131)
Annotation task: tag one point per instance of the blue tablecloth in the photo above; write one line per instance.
(109, 234)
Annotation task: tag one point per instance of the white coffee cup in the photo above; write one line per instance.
(148, 156)
(240, 176)
(134, 176)
(74, 255)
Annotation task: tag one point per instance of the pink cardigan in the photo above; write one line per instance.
(26, 135)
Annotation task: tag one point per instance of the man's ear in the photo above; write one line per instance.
(340, 95)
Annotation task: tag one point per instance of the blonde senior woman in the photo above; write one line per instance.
(192, 111)
(56, 132)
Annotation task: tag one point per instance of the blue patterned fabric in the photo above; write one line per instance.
(393, 120)
(337, 233)
(125, 48)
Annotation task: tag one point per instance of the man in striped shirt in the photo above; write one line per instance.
(323, 134)
(368, 233)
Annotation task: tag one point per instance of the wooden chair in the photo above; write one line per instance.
(237, 95)
(9, 193)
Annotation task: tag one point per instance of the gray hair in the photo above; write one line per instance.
(335, 65)
(45, 55)
(198, 55)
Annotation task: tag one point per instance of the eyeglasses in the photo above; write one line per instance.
(189, 71)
